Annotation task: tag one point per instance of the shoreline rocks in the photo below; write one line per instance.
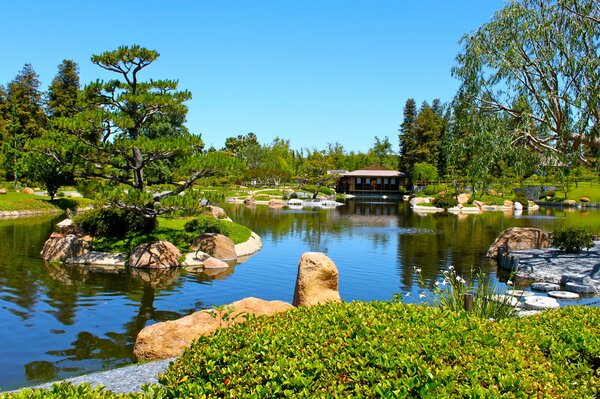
(317, 280)
(516, 238)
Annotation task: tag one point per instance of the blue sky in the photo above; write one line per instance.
(311, 71)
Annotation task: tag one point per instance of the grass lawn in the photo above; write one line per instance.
(14, 201)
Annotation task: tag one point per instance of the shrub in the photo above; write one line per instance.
(445, 201)
(113, 222)
(379, 349)
(205, 224)
(432, 189)
(572, 239)
(325, 190)
(522, 199)
(262, 197)
(545, 194)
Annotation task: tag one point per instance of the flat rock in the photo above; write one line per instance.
(65, 222)
(520, 293)
(540, 303)
(506, 300)
(99, 258)
(196, 258)
(545, 287)
(581, 288)
(563, 295)
(251, 246)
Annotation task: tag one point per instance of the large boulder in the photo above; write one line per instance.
(167, 339)
(64, 246)
(155, 255)
(317, 280)
(3, 191)
(419, 200)
(216, 245)
(516, 238)
(27, 190)
(217, 212)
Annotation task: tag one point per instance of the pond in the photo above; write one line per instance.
(59, 321)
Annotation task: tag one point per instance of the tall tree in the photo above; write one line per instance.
(546, 53)
(64, 91)
(405, 137)
(26, 118)
(383, 153)
(137, 124)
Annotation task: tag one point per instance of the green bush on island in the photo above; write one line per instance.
(522, 199)
(445, 201)
(113, 222)
(572, 239)
(432, 189)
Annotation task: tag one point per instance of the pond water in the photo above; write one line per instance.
(58, 321)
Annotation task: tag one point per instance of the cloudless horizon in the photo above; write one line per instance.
(314, 72)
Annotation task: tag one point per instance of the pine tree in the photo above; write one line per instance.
(405, 137)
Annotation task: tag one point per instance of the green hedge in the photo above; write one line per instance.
(394, 350)
(385, 349)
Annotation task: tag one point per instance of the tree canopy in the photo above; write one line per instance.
(539, 63)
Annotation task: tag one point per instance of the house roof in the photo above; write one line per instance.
(375, 171)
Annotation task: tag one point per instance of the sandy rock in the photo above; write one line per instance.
(463, 198)
(27, 190)
(317, 280)
(584, 199)
(252, 245)
(3, 191)
(508, 203)
(216, 245)
(249, 201)
(214, 263)
(570, 203)
(217, 212)
(195, 258)
(516, 238)
(420, 200)
(277, 203)
(170, 338)
(155, 255)
(62, 247)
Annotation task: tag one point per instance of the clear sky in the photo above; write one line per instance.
(311, 71)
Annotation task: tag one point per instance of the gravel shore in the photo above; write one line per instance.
(123, 379)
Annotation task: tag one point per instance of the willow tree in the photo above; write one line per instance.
(547, 54)
(127, 125)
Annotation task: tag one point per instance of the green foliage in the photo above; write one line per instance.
(572, 239)
(445, 201)
(24, 202)
(68, 390)
(423, 171)
(522, 199)
(393, 350)
(113, 222)
(545, 194)
(205, 224)
(432, 189)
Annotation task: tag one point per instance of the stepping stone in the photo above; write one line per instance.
(505, 300)
(524, 313)
(540, 303)
(581, 288)
(545, 287)
(520, 293)
(563, 295)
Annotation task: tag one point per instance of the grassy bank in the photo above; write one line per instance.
(387, 350)
(13, 201)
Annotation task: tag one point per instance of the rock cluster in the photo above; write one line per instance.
(317, 282)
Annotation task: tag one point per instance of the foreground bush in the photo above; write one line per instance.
(113, 222)
(394, 350)
(572, 239)
(378, 349)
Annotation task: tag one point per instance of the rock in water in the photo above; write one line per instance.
(540, 303)
(155, 255)
(516, 238)
(64, 246)
(317, 280)
(167, 339)
(216, 245)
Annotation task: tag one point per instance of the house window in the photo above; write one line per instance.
(368, 180)
(379, 180)
(393, 181)
(385, 181)
(358, 180)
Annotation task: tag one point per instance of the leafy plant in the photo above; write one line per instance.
(572, 239)
(445, 201)
(205, 224)
(113, 222)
